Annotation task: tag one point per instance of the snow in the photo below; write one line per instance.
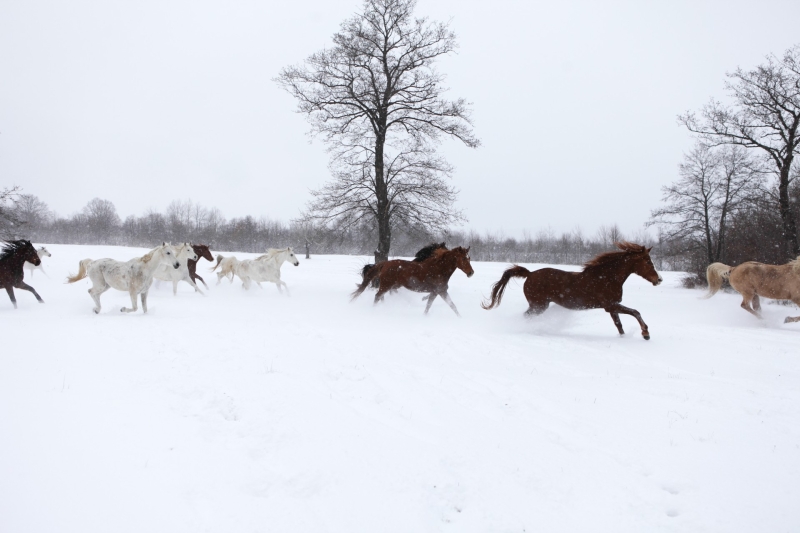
(254, 411)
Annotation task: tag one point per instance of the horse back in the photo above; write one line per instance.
(573, 290)
(778, 282)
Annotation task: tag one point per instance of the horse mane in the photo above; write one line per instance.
(12, 247)
(795, 264)
(610, 258)
(428, 251)
(149, 255)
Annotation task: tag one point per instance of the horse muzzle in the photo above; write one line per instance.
(658, 281)
(177, 265)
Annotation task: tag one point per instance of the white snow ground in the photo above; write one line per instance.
(256, 412)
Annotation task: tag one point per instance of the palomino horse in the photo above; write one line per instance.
(598, 286)
(42, 253)
(430, 275)
(752, 279)
(183, 253)
(202, 251)
(266, 267)
(134, 276)
(13, 255)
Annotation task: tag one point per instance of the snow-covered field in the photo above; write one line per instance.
(257, 412)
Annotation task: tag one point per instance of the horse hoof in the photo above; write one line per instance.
(646, 336)
(788, 320)
(96, 311)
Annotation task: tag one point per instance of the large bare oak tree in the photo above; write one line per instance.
(764, 115)
(375, 98)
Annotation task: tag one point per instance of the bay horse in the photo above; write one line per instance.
(598, 286)
(753, 279)
(203, 251)
(13, 256)
(134, 276)
(430, 275)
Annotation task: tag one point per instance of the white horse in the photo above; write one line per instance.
(134, 276)
(263, 268)
(227, 266)
(183, 253)
(42, 254)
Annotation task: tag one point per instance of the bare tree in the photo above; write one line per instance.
(32, 211)
(765, 115)
(9, 223)
(377, 88)
(712, 184)
(102, 219)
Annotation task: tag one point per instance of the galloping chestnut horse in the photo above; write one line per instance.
(431, 274)
(12, 258)
(202, 251)
(599, 286)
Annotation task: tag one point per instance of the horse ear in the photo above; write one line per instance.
(468, 247)
(648, 250)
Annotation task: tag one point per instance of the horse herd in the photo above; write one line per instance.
(597, 286)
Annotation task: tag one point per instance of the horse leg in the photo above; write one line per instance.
(24, 286)
(219, 277)
(174, 288)
(196, 277)
(95, 292)
(379, 296)
(10, 291)
(134, 303)
(144, 301)
(536, 308)
(193, 284)
(756, 303)
(793, 318)
(446, 298)
(431, 297)
(619, 308)
(747, 297)
(617, 322)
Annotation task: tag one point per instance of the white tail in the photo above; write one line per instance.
(716, 274)
(83, 265)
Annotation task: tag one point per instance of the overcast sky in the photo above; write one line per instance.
(143, 102)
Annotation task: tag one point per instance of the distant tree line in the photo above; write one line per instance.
(99, 223)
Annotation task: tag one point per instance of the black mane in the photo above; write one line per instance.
(10, 248)
(426, 252)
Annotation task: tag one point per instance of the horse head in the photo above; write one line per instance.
(643, 266)
(42, 252)
(203, 251)
(167, 255)
(291, 257)
(25, 249)
(186, 251)
(462, 260)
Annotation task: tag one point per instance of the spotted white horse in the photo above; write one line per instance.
(134, 276)
(266, 267)
(183, 253)
(30, 267)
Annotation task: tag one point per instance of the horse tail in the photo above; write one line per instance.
(500, 287)
(716, 273)
(219, 260)
(82, 270)
(369, 274)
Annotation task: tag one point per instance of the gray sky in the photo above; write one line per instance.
(575, 102)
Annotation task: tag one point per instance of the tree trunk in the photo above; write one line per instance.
(382, 204)
(787, 217)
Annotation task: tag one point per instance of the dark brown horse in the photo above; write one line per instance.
(12, 258)
(202, 251)
(599, 286)
(430, 275)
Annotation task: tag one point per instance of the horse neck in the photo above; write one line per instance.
(149, 267)
(618, 271)
(446, 262)
(15, 260)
